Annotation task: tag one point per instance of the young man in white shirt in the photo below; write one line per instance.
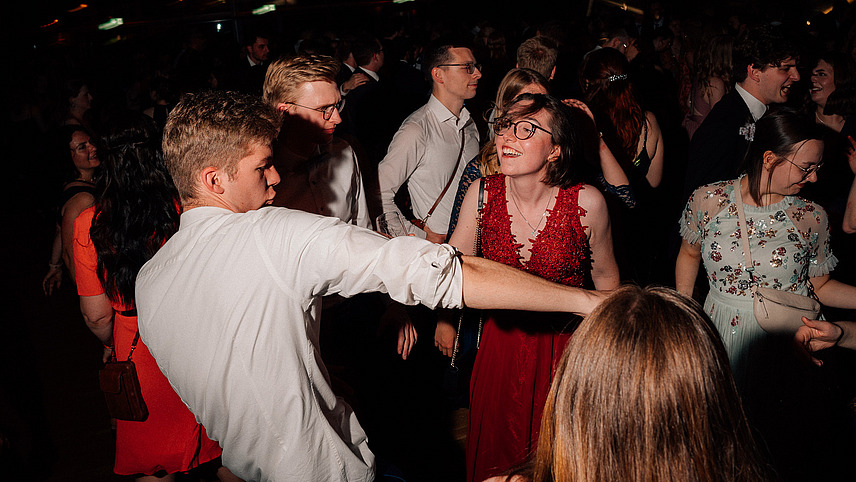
(319, 172)
(228, 306)
(434, 144)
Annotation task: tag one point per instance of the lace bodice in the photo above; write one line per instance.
(560, 250)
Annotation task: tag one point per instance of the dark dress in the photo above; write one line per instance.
(520, 350)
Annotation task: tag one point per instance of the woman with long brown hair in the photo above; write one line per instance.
(633, 137)
(712, 80)
(644, 393)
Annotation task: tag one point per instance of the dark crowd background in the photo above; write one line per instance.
(51, 412)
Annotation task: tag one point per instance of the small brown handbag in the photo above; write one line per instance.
(121, 387)
(775, 310)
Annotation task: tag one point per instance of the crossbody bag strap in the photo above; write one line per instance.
(449, 182)
(134, 344)
(477, 251)
(744, 232)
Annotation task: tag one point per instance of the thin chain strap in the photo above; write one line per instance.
(478, 253)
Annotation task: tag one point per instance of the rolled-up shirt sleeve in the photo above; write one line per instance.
(337, 258)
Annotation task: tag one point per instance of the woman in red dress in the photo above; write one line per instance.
(538, 218)
(134, 217)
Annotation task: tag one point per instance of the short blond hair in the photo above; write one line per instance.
(214, 128)
(286, 75)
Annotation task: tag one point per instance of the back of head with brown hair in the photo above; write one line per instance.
(644, 393)
(286, 75)
(539, 54)
(214, 128)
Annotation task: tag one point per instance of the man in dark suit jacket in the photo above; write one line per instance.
(764, 65)
(365, 121)
(248, 74)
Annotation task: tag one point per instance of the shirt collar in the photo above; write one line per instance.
(443, 113)
(371, 74)
(250, 60)
(756, 107)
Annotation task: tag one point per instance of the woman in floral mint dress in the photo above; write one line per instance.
(788, 401)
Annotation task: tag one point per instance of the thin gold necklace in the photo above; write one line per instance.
(543, 215)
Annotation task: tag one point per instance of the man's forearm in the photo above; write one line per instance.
(488, 284)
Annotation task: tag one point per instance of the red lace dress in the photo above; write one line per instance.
(519, 350)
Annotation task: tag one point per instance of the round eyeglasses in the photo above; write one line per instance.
(523, 129)
(470, 67)
(807, 171)
(326, 110)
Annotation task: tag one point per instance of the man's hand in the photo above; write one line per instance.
(816, 335)
(406, 339)
(355, 81)
(444, 337)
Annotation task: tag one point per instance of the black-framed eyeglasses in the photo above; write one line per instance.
(807, 171)
(523, 129)
(470, 67)
(327, 110)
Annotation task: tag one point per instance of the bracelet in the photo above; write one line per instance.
(840, 335)
(55, 266)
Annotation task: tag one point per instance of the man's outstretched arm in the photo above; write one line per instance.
(492, 285)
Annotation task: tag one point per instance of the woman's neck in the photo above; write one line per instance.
(77, 113)
(766, 198)
(529, 191)
(833, 121)
(86, 175)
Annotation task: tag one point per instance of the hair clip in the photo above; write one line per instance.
(613, 78)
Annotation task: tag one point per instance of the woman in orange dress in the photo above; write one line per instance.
(112, 240)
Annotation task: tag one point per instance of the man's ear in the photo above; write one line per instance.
(212, 180)
(753, 73)
(437, 75)
(552, 73)
(283, 107)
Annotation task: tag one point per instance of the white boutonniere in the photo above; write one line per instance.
(748, 131)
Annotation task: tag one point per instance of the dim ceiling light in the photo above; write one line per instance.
(112, 23)
(264, 9)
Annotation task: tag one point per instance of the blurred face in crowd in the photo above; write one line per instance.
(84, 155)
(305, 117)
(798, 168)
(252, 185)
(530, 155)
(822, 82)
(83, 99)
(260, 50)
(775, 81)
(456, 80)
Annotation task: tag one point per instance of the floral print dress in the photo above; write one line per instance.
(789, 243)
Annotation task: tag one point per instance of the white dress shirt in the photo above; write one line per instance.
(756, 107)
(328, 183)
(423, 152)
(228, 308)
